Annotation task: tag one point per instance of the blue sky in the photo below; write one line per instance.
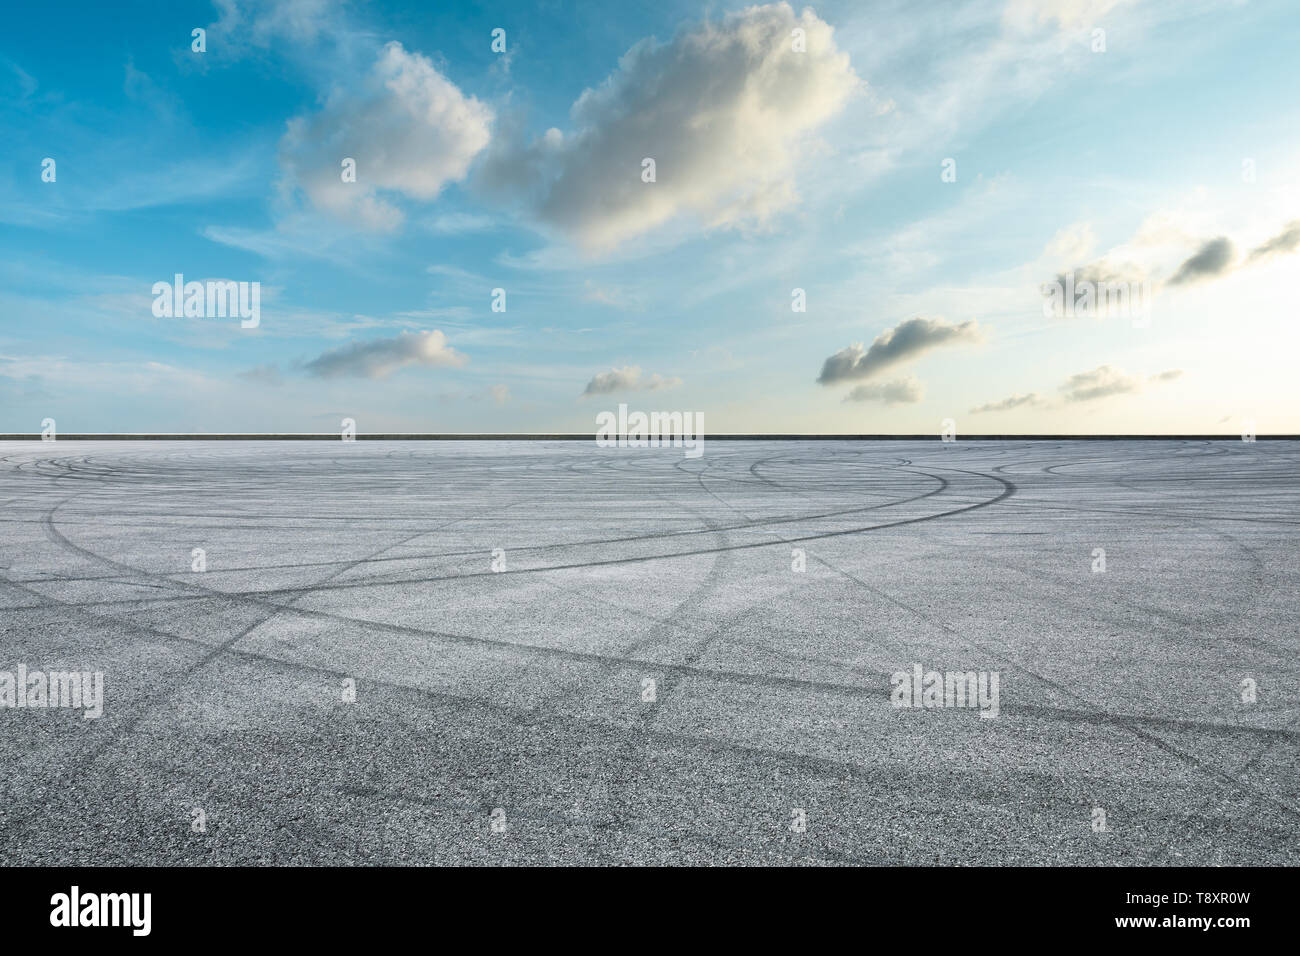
(1166, 160)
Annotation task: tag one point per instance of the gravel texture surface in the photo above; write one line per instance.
(371, 565)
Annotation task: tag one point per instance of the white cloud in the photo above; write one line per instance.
(724, 109)
(627, 379)
(377, 358)
(410, 130)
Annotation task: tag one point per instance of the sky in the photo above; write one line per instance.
(860, 217)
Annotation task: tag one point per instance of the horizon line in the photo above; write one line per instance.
(589, 436)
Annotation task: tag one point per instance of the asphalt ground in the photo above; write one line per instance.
(504, 716)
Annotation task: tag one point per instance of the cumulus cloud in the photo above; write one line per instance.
(1285, 241)
(409, 129)
(1168, 375)
(1101, 382)
(724, 109)
(500, 394)
(1029, 400)
(906, 340)
(903, 391)
(627, 379)
(1212, 259)
(377, 358)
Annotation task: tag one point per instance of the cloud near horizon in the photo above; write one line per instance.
(1104, 381)
(627, 379)
(1101, 382)
(903, 391)
(1029, 400)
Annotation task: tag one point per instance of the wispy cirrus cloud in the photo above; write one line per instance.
(1288, 240)
(265, 374)
(1065, 14)
(243, 26)
(1029, 400)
